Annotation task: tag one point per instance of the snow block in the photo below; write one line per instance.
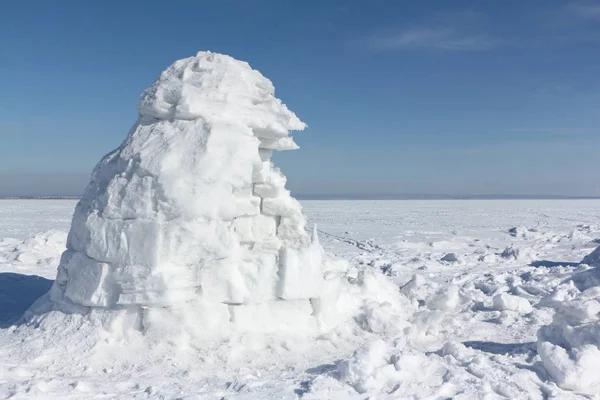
(268, 246)
(130, 198)
(199, 318)
(245, 191)
(505, 301)
(160, 286)
(261, 172)
(281, 206)
(186, 241)
(89, 282)
(255, 229)
(300, 274)
(250, 279)
(291, 231)
(247, 206)
(130, 242)
(273, 186)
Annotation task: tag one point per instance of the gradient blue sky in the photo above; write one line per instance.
(429, 97)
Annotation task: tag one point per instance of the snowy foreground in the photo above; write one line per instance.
(497, 304)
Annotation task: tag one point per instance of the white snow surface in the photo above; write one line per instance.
(424, 328)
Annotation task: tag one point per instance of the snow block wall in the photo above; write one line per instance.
(190, 207)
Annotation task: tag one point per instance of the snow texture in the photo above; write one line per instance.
(393, 320)
(570, 345)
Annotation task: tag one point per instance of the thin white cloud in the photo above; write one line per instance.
(585, 10)
(558, 131)
(433, 39)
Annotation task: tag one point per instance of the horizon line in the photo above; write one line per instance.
(370, 197)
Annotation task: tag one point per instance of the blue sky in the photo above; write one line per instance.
(401, 97)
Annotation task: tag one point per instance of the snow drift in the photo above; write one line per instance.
(190, 212)
(570, 346)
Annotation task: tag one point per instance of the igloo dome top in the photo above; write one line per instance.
(217, 87)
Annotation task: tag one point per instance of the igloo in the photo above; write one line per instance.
(189, 209)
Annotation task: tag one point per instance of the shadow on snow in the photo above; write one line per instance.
(17, 293)
(550, 264)
(501, 348)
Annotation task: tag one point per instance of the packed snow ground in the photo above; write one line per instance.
(479, 279)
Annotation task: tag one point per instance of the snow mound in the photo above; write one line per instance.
(39, 248)
(445, 300)
(570, 346)
(505, 301)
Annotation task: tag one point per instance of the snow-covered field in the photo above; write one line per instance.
(481, 279)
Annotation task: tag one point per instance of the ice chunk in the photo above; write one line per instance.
(381, 318)
(570, 346)
(445, 300)
(450, 257)
(415, 283)
(576, 370)
(505, 301)
(364, 371)
(510, 252)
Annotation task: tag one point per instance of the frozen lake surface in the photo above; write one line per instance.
(464, 342)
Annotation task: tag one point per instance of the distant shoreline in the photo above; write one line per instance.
(445, 197)
(40, 197)
(356, 197)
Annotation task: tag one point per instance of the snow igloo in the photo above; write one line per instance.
(190, 214)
